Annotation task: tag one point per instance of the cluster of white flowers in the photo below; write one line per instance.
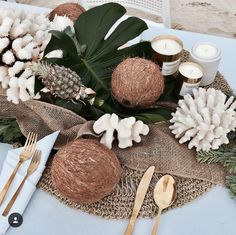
(23, 38)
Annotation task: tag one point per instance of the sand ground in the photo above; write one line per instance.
(216, 17)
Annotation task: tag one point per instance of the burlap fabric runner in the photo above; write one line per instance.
(159, 148)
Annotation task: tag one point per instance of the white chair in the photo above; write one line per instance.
(159, 8)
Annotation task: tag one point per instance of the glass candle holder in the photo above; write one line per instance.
(189, 77)
(167, 53)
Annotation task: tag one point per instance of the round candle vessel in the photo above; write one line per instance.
(206, 51)
(189, 77)
(191, 70)
(208, 56)
(167, 54)
(167, 46)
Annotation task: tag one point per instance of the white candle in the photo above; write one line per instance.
(208, 56)
(191, 74)
(206, 51)
(167, 46)
(190, 70)
(168, 50)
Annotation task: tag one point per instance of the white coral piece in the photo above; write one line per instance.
(4, 78)
(23, 38)
(107, 124)
(128, 130)
(4, 42)
(6, 23)
(204, 119)
(13, 91)
(21, 88)
(8, 57)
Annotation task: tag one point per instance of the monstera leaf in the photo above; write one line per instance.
(102, 54)
(94, 55)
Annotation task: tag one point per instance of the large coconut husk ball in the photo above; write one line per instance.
(85, 171)
(137, 82)
(71, 10)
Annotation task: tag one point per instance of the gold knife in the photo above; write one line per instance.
(140, 195)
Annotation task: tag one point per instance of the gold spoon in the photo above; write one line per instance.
(164, 195)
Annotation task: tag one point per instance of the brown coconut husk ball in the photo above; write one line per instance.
(85, 171)
(137, 82)
(71, 10)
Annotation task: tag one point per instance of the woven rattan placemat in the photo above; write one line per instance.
(119, 204)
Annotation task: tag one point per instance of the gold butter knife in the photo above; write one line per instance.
(140, 195)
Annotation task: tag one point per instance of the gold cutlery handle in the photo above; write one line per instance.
(14, 197)
(139, 198)
(158, 218)
(131, 224)
(8, 183)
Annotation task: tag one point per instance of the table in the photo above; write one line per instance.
(212, 214)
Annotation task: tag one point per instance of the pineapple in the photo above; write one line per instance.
(62, 82)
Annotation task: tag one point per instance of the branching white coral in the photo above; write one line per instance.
(4, 78)
(8, 57)
(128, 130)
(5, 27)
(204, 119)
(23, 38)
(4, 42)
(21, 88)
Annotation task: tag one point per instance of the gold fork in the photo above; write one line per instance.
(31, 169)
(27, 152)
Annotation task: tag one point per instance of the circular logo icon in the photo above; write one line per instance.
(15, 220)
